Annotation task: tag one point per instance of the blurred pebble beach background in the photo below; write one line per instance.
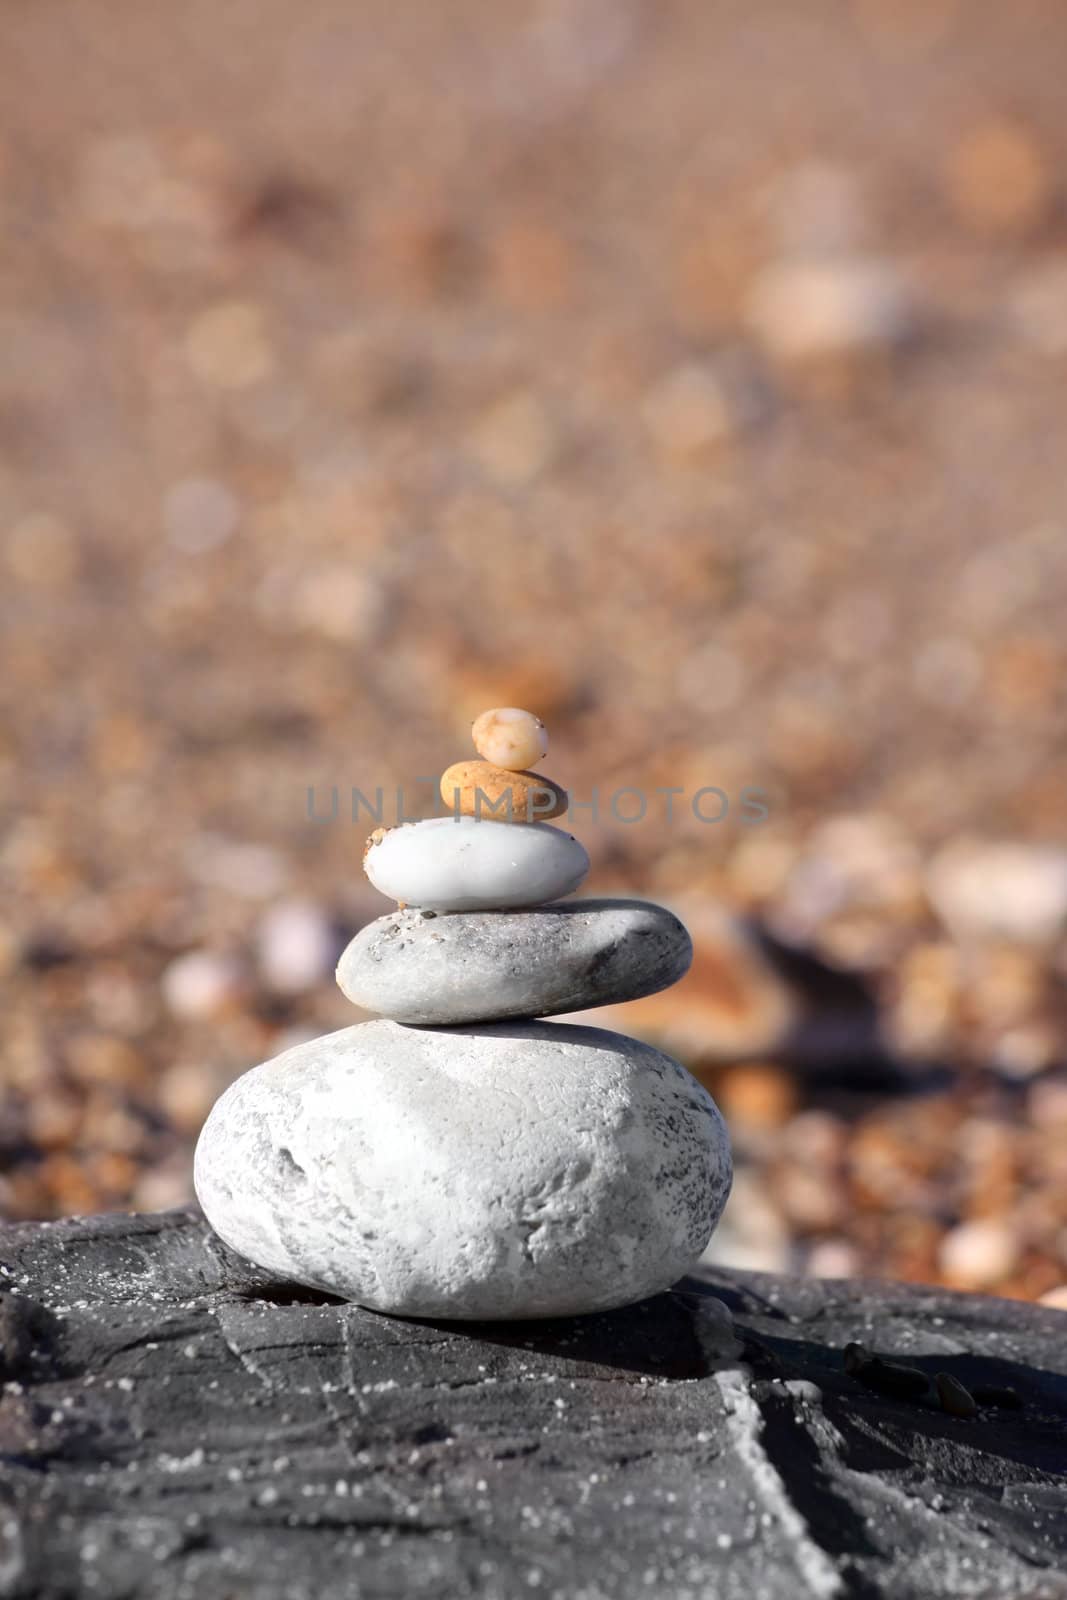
(690, 373)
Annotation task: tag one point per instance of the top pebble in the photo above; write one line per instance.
(510, 738)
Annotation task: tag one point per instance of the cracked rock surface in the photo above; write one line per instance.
(174, 1423)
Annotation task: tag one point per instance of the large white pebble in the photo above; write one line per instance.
(472, 864)
(513, 1170)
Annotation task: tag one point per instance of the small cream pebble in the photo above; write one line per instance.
(510, 738)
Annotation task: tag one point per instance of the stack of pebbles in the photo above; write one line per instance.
(456, 1159)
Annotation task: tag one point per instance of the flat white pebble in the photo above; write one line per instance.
(467, 864)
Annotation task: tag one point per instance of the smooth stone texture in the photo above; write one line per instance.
(478, 789)
(509, 737)
(517, 1170)
(450, 864)
(482, 966)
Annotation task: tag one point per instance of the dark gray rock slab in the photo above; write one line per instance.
(173, 1423)
(485, 966)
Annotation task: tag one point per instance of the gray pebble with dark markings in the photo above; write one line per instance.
(487, 966)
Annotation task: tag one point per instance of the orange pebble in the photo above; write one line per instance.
(480, 789)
